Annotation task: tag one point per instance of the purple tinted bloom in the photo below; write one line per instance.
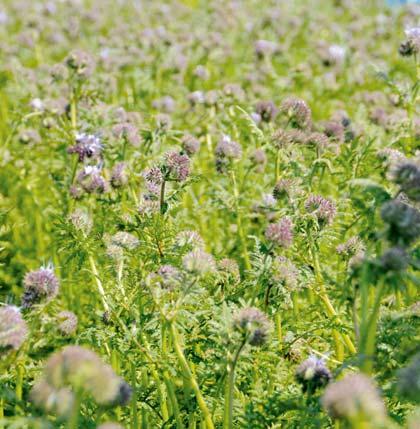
(280, 233)
(313, 374)
(67, 322)
(118, 175)
(323, 208)
(87, 146)
(13, 329)
(267, 110)
(90, 179)
(253, 324)
(226, 150)
(39, 285)
(190, 144)
(176, 166)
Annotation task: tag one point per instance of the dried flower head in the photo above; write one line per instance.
(322, 208)
(313, 374)
(280, 233)
(67, 322)
(228, 270)
(13, 329)
(39, 285)
(354, 397)
(253, 324)
(285, 189)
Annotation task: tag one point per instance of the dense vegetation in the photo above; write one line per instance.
(209, 214)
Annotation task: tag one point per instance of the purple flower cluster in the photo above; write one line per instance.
(322, 208)
(280, 233)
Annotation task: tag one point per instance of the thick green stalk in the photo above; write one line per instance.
(330, 310)
(190, 377)
(369, 334)
(134, 424)
(230, 387)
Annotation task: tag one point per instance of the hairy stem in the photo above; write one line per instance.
(190, 377)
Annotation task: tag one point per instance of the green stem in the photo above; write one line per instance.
(369, 335)
(277, 319)
(229, 388)
(190, 377)
(162, 197)
(330, 310)
(134, 413)
(73, 421)
(98, 283)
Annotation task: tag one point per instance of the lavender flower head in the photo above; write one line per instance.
(176, 167)
(199, 262)
(285, 272)
(403, 221)
(67, 322)
(267, 110)
(110, 425)
(39, 285)
(411, 45)
(91, 180)
(119, 176)
(298, 112)
(76, 368)
(170, 277)
(87, 146)
(13, 329)
(190, 144)
(127, 132)
(253, 324)
(81, 221)
(322, 208)
(227, 148)
(264, 48)
(313, 374)
(355, 396)
(280, 233)
(226, 151)
(394, 259)
(351, 247)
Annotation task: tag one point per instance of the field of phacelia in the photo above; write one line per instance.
(209, 214)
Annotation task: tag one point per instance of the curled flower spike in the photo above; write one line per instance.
(354, 397)
(313, 374)
(39, 285)
(298, 112)
(13, 329)
(81, 220)
(91, 181)
(280, 233)
(253, 324)
(323, 209)
(67, 322)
